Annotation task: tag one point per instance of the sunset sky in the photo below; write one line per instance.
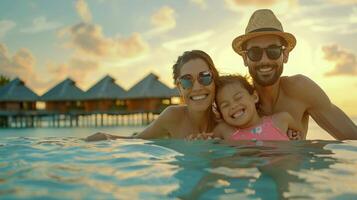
(43, 42)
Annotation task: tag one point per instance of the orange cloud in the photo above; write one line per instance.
(83, 11)
(88, 39)
(21, 64)
(77, 69)
(164, 18)
(344, 61)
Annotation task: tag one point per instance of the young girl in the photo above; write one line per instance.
(236, 102)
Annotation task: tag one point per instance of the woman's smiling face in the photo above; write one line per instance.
(199, 97)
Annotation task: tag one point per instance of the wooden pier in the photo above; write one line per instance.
(42, 118)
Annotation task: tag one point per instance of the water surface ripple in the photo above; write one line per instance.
(69, 168)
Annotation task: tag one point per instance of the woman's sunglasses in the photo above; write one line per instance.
(273, 52)
(204, 78)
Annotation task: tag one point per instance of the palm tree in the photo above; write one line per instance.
(4, 80)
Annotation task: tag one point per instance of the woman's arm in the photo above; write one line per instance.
(223, 130)
(157, 128)
(104, 136)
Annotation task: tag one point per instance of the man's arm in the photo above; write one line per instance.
(325, 113)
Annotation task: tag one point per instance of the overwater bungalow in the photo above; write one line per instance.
(105, 95)
(64, 97)
(16, 96)
(150, 95)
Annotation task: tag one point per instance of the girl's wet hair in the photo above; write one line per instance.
(190, 55)
(234, 78)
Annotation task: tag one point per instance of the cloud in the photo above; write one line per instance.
(201, 3)
(6, 26)
(194, 40)
(162, 21)
(83, 11)
(21, 64)
(344, 2)
(88, 39)
(353, 15)
(250, 2)
(249, 6)
(344, 61)
(319, 22)
(40, 24)
(78, 69)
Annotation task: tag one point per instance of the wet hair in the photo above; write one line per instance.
(190, 55)
(235, 78)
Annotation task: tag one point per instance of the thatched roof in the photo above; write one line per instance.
(151, 87)
(106, 88)
(16, 90)
(64, 91)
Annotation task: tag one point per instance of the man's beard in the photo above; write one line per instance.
(265, 81)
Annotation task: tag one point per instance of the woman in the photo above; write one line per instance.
(195, 76)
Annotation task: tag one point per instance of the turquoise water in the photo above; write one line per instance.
(51, 163)
(69, 168)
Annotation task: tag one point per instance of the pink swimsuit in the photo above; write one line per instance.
(264, 131)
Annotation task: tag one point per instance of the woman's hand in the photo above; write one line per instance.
(201, 136)
(98, 136)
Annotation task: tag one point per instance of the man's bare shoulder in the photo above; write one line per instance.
(304, 89)
(298, 80)
(297, 83)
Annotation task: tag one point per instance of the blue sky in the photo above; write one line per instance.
(43, 42)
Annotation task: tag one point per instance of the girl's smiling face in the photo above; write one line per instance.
(237, 106)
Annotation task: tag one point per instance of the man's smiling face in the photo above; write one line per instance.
(265, 71)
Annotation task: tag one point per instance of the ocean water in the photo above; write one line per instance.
(57, 164)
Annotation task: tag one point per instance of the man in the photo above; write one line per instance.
(265, 47)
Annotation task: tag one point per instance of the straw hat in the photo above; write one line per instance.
(263, 22)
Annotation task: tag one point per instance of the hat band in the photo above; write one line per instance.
(265, 30)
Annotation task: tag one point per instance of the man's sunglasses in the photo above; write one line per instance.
(204, 78)
(273, 52)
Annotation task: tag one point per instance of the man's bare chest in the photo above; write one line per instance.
(297, 109)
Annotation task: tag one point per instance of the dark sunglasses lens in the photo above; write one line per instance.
(186, 82)
(273, 52)
(255, 53)
(205, 78)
